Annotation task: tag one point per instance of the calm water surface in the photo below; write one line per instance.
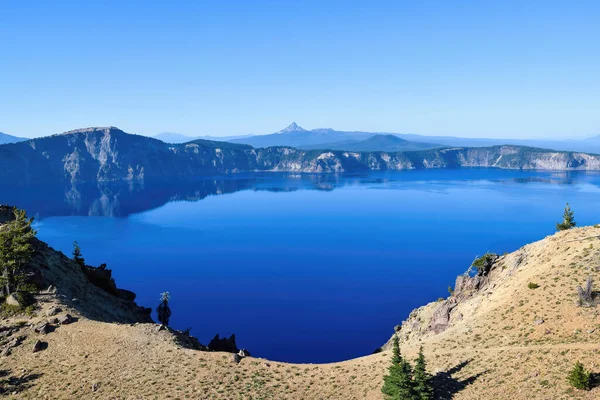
(304, 268)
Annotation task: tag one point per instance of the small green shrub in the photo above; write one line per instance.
(579, 378)
(533, 285)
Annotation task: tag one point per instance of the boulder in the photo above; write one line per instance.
(126, 294)
(53, 311)
(5, 333)
(12, 344)
(441, 316)
(42, 327)
(236, 358)
(244, 353)
(11, 300)
(39, 346)
(65, 319)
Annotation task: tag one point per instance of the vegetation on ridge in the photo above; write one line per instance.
(15, 253)
(568, 221)
(404, 382)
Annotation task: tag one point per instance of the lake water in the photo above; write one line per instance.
(304, 268)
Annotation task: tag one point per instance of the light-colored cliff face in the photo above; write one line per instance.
(109, 154)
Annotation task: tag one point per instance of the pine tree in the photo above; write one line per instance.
(568, 220)
(77, 255)
(398, 385)
(163, 310)
(422, 380)
(579, 378)
(15, 251)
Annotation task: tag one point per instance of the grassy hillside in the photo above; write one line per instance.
(493, 346)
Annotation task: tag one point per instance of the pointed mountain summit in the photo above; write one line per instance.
(293, 127)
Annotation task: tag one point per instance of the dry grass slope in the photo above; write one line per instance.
(495, 351)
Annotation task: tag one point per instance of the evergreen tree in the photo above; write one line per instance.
(579, 378)
(77, 255)
(568, 220)
(398, 385)
(422, 380)
(15, 251)
(163, 310)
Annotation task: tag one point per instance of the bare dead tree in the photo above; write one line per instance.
(586, 296)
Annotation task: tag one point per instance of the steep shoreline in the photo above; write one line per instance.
(109, 154)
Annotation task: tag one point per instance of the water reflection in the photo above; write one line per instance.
(121, 199)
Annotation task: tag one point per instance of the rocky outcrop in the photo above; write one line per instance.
(435, 318)
(71, 286)
(223, 344)
(109, 154)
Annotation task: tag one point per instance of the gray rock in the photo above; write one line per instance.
(7, 350)
(244, 353)
(539, 321)
(236, 358)
(53, 311)
(39, 346)
(42, 327)
(5, 333)
(65, 319)
(11, 300)
(441, 317)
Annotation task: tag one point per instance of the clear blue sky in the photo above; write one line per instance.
(466, 68)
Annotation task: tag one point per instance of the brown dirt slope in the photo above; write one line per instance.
(491, 348)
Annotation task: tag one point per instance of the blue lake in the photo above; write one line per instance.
(304, 268)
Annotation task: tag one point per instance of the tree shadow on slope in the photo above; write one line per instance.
(13, 384)
(594, 380)
(446, 386)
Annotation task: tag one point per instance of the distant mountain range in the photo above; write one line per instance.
(170, 137)
(109, 154)
(325, 138)
(389, 143)
(5, 138)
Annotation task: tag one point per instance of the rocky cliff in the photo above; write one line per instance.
(539, 281)
(91, 291)
(109, 154)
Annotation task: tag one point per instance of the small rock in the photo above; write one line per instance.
(53, 320)
(42, 327)
(6, 352)
(538, 321)
(75, 300)
(236, 358)
(53, 311)
(244, 353)
(11, 300)
(39, 346)
(161, 327)
(65, 319)
(51, 289)
(5, 334)
(95, 387)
